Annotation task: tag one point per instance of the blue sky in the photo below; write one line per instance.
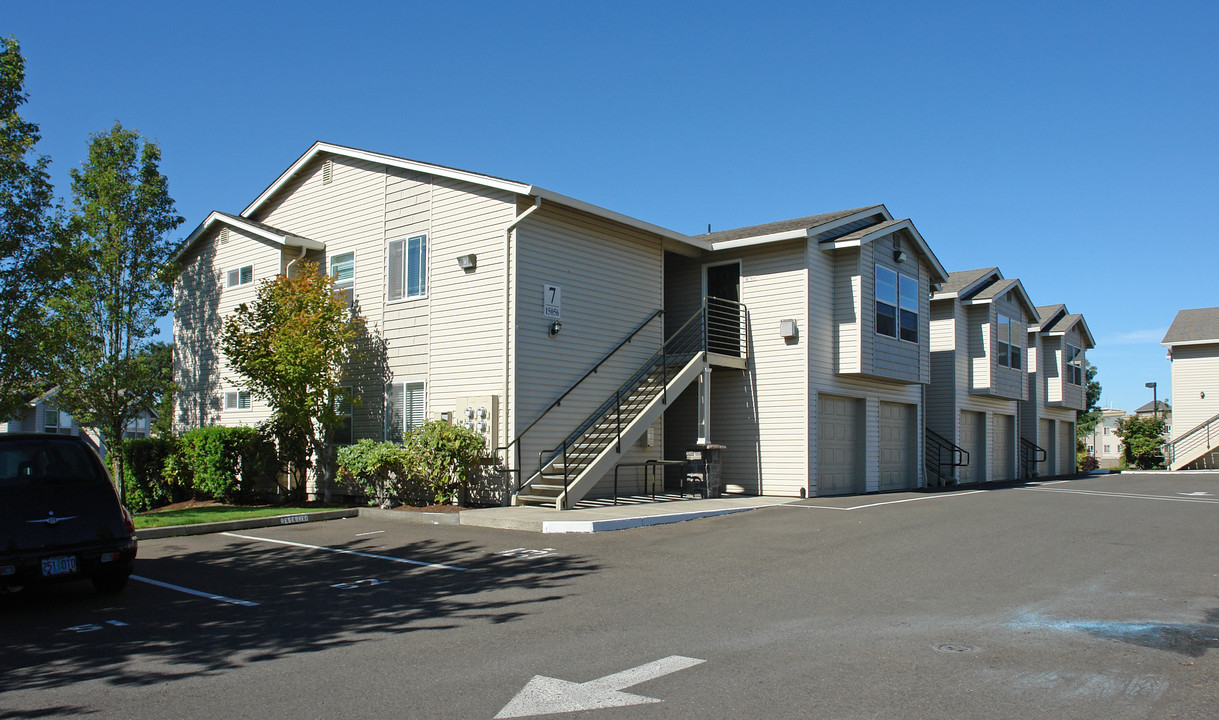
(1073, 145)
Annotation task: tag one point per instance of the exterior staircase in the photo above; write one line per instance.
(568, 472)
(1030, 454)
(940, 457)
(1197, 449)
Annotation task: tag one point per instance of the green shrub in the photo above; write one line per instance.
(222, 463)
(376, 468)
(146, 484)
(442, 459)
(1142, 441)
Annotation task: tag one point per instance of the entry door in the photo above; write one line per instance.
(839, 446)
(898, 450)
(973, 441)
(1004, 460)
(723, 310)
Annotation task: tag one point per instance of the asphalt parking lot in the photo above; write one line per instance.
(1092, 598)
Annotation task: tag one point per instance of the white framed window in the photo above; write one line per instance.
(406, 268)
(1106, 449)
(1007, 346)
(404, 409)
(343, 268)
(344, 432)
(1075, 364)
(56, 422)
(897, 302)
(237, 400)
(243, 275)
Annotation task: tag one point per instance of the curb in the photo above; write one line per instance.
(407, 516)
(227, 525)
(593, 526)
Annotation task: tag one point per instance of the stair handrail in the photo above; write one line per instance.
(1171, 447)
(676, 341)
(604, 358)
(958, 456)
(1030, 454)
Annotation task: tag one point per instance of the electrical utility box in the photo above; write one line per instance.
(479, 413)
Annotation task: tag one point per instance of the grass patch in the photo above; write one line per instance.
(214, 513)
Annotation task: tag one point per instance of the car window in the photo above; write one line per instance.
(47, 461)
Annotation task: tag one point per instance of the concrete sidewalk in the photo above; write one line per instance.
(628, 513)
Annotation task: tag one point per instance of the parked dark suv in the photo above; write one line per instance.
(60, 518)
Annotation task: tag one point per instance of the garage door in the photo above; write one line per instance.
(898, 448)
(839, 445)
(1004, 458)
(1047, 442)
(973, 441)
(1066, 448)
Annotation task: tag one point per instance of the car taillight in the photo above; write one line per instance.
(128, 522)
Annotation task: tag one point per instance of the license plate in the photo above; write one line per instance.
(58, 565)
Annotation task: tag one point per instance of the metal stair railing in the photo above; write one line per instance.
(652, 376)
(939, 453)
(1193, 444)
(1030, 454)
(505, 451)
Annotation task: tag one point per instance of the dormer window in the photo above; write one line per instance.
(1075, 364)
(896, 304)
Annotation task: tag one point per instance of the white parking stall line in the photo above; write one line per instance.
(197, 593)
(886, 502)
(405, 561)
(1127, 496)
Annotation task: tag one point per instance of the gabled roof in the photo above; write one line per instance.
(870, 233)
(797, 227)
(1193, 327)
(253, 227)
(321, 148)
(961, 282)
(1002, 286)
(1046, 315)
(1153, 406)
(1055, 320)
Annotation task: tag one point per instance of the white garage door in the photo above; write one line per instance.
(839, 445)
(973, 441)
(1004, 458)
(898, 448)
(1049, 444)
(1066, 448)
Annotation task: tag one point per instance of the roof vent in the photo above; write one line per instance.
(327, 172)
(224, 234)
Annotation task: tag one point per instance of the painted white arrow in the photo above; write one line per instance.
(546, 695)
(1195, 494)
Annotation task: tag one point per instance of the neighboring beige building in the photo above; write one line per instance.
(1104, 444)
(978, 377)
(1057, 389)
(1193, 349)
(575, 338)
(42, 416)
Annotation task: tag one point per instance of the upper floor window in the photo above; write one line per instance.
(241, 276)
(896, 304)
(1075, 365)
(343, 433)
(1007, 346)
(407, 268)
(343, 268)
(57, 422)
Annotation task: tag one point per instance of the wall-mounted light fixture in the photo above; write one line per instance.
(555, 327)
(467, 262)
(899, 256)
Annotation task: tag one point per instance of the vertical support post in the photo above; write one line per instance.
(704, 406)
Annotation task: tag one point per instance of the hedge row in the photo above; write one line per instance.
(211, 463)
(436, 463)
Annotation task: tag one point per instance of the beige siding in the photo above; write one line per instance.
(203, 302)
(892, 357)
(845, 297)
(611, 281)
(825, 374)
(941, 396)
(1010, 382)
(980, 329)
(753, 412)
(1052, 366)
(1195, 373)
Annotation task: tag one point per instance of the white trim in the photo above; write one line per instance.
(797, 234)
(238, 269)
(888, 228)
(246, 227)
(1175, 343)
(427, 275)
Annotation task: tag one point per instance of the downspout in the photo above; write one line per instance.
(293, 261)
(537, 203)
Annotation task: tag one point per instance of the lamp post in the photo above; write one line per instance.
(1155, 404)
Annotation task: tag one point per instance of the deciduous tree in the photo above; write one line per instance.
(29, 242)
(120, 284)
(290, 348)
(1142, 441)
